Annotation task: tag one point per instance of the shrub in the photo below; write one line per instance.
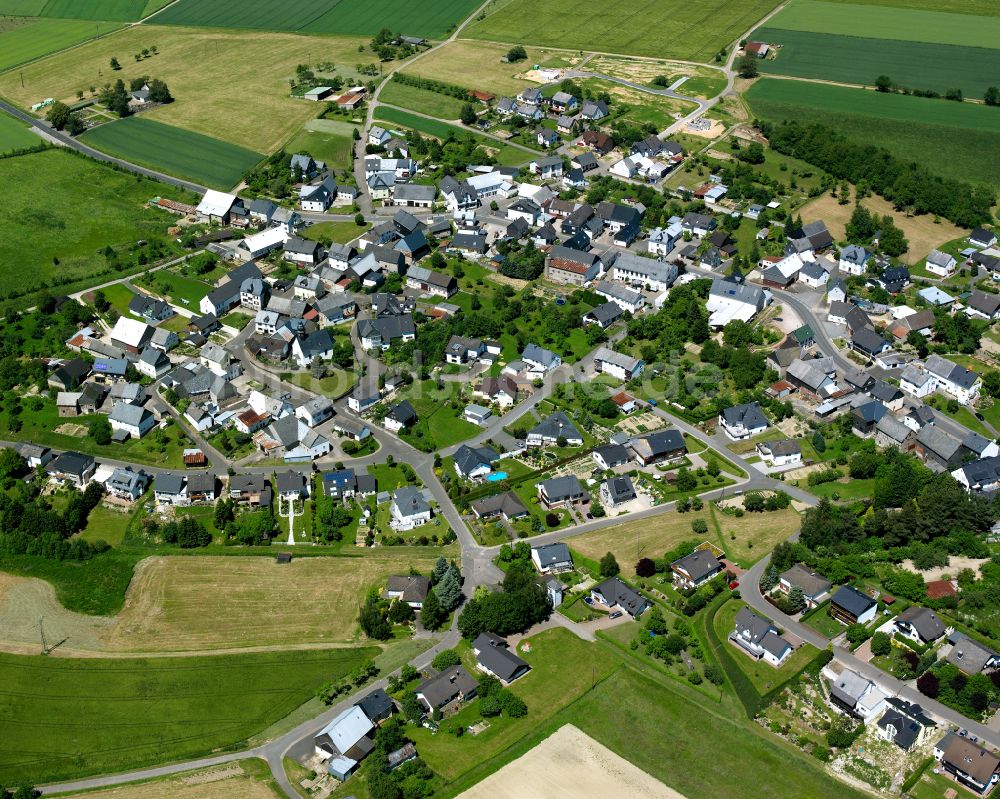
(881, 644)
(444, 659)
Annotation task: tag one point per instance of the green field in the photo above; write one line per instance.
(983, 7)
(332, 148)
(438, 105)
(667, 29)
(880, 22)
(948, 138)
(505, 155)
(14, 135)
(73, 717)
(116, 10)
(852, 59)
(176, 151)
(344, 17)
(39, 37)
(54, 205)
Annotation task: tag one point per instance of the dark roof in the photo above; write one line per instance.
(508, 503)
(496, 658)
(615, 592)
(70, 463)
(376, 704)
(403, 413)
(699, 564)
(853, 601)
(551, 554)
(812, 583)
(442, 688)
(924, 620)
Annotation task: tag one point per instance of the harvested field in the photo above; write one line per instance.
(923, 233)
(221, 782)
(570, 764)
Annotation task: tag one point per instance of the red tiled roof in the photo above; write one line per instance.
(936, 589)
(621, 398)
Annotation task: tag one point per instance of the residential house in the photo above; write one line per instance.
(493, 656)
(904, 724)
(540, 360)
(815, 588)
(170, 489)
(780, 453)
(292, 439)
(729, 301)
(970, 656)
(851, 606)
(617, 491)
(474, 463)
(127, 484)
(853, 260)
(594, 110)
(559, 491)
(315, 411)
(970, 764)
(571, 267)
(549, 431)
(940, 451)
(250, 489)
(614, 594)
(920, 625)
(610, 456)
(409, 509)
(451, 685)
(980, 476)
(500, 390)
(857, 696)
(431, 282)
(382, 332)
(620, 366)
(940, 263)
(982, 238)
(981, 305)
(547, 168)
(760, 639)
(132, 420)
(741, 422)
(657, 447)
(400, 416)
(696, 569)
(956, 381)
(508, 506)
(645, 273)
(552, 558)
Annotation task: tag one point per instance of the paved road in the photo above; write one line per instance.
(75, 144)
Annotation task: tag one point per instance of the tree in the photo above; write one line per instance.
(883, 83)
(373, 619)
(467, 114)
(928, 684)
(796, 599)
(158, 91)
(843, 731)
(440, 567)
(114, 64)
(432, 614)
(445, 659)
(992, 96)
(881, 644)
(223, 514)
(646, 567)
(449, 590)
(359, 219)
(856, 633)
(746, 66)
(58, 115)
(818, 442)
(400, 612)
(609, 566)
(516, 53)
(100, 430)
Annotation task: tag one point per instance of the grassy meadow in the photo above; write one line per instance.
(668, 29)
(438, 105)
(73, 717)
(948, 138)
(22, 41)
(14, 135)
(59, 210)
(176, 151)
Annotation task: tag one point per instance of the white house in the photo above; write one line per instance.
(408, 509)
(756, 636)
(940, 263)
(853, 259)
(728, 301)
(623, 367)
(954, 380)
(784, 452)
(741, 422)
(132, 419)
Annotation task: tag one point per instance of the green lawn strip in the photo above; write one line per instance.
(823, 623)
(175, 288)
(174, 150)
(118, 10)
(442, 106)
(913, 25)
(333, 385)
(339, 232)
(852, 489)
(118, 294)
(854, 59)
(107, 524)
(334, 149)
(389, 477)
(202, 704)
(15, 135)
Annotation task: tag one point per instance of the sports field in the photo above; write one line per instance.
(882, 22)
(252, 109)
(949, 138)
(666, 29)
(68, 717)
(59, 210)
(116, 10)
(15, 135)
(851, 59)
(343, 17)
(35, 38)
(176, 151)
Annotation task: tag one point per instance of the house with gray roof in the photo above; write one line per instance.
(548, 432)
(409, 508)
(920, 625)
(758, 638)
(451, 685)
(696, 569)
(815, 587)
(939, 450)
(552, 558)
(493, 656)
(851, 606)
(904, 724)
(615, 594)
(559, 491)
(741, 422)
(970, 656)
(474, 463)
(507, 505)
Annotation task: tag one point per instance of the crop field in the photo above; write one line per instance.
(74, 717)
(442, 106)
(38, 37)
(175, 151)
(14, 135)
(505, 154)
(343, 17)
(913, 25)
(948, 138)
(254, 110)
(983, 7)
(667, 29)
(477, 65)
(113, 10)
(54, 205)
(851, 59)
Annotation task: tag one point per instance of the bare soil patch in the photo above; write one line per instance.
(956, 563)
(72, 429)
(220, 783)
(569, 764)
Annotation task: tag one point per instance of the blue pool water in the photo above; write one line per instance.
(496, 477)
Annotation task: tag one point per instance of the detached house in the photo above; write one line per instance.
(613, 593)
(493, 656)
(558, 491)
(758, 638)
(550, 430)
(850, 606)
(920, 625)
(970, 764)
(940, 263)
(620, 366)
(571, 267)
(696, 569)
(741, 422)
(815, 587)
(552, 558)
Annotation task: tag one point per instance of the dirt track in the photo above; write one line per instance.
(569, 764)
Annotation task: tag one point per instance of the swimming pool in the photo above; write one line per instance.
(496, 477)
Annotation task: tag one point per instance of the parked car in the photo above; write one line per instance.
(615, 615)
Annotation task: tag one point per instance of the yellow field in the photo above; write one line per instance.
(242, 780)
(476, 65)
(756, 534)
(227, 84)
(190, 604)
(923, 233)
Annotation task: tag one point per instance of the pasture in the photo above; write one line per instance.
(667, 29)
(946, 137)
(881, 22)
(254, 111)
(60, 210)
(327, 140)
(342, 17)
(442, 106)
(176, 151)
(31, 39)
(74, 717)
(15, 135)
(851, 59)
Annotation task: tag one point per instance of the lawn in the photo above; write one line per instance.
(333, 148)
(914, 25)
(177, 289)
(103, 707)
(984, 7)
(749, 538)
(853, 59)
(254, 110)
(58, 210)
(563, 668)
(341, 232)
(333, 385)
(352, 17)
(15, 135)
(176, 151)
(505, 154)
(157, 448)
(823, 623)
(389, 477)
(642, 107)
(443, 106)
(669, 29)
(118, 10)
(646, 538)
(107, 524)
(936, 786)
(763, 676)
(28, 40)
(946, 137)
(851, 489)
